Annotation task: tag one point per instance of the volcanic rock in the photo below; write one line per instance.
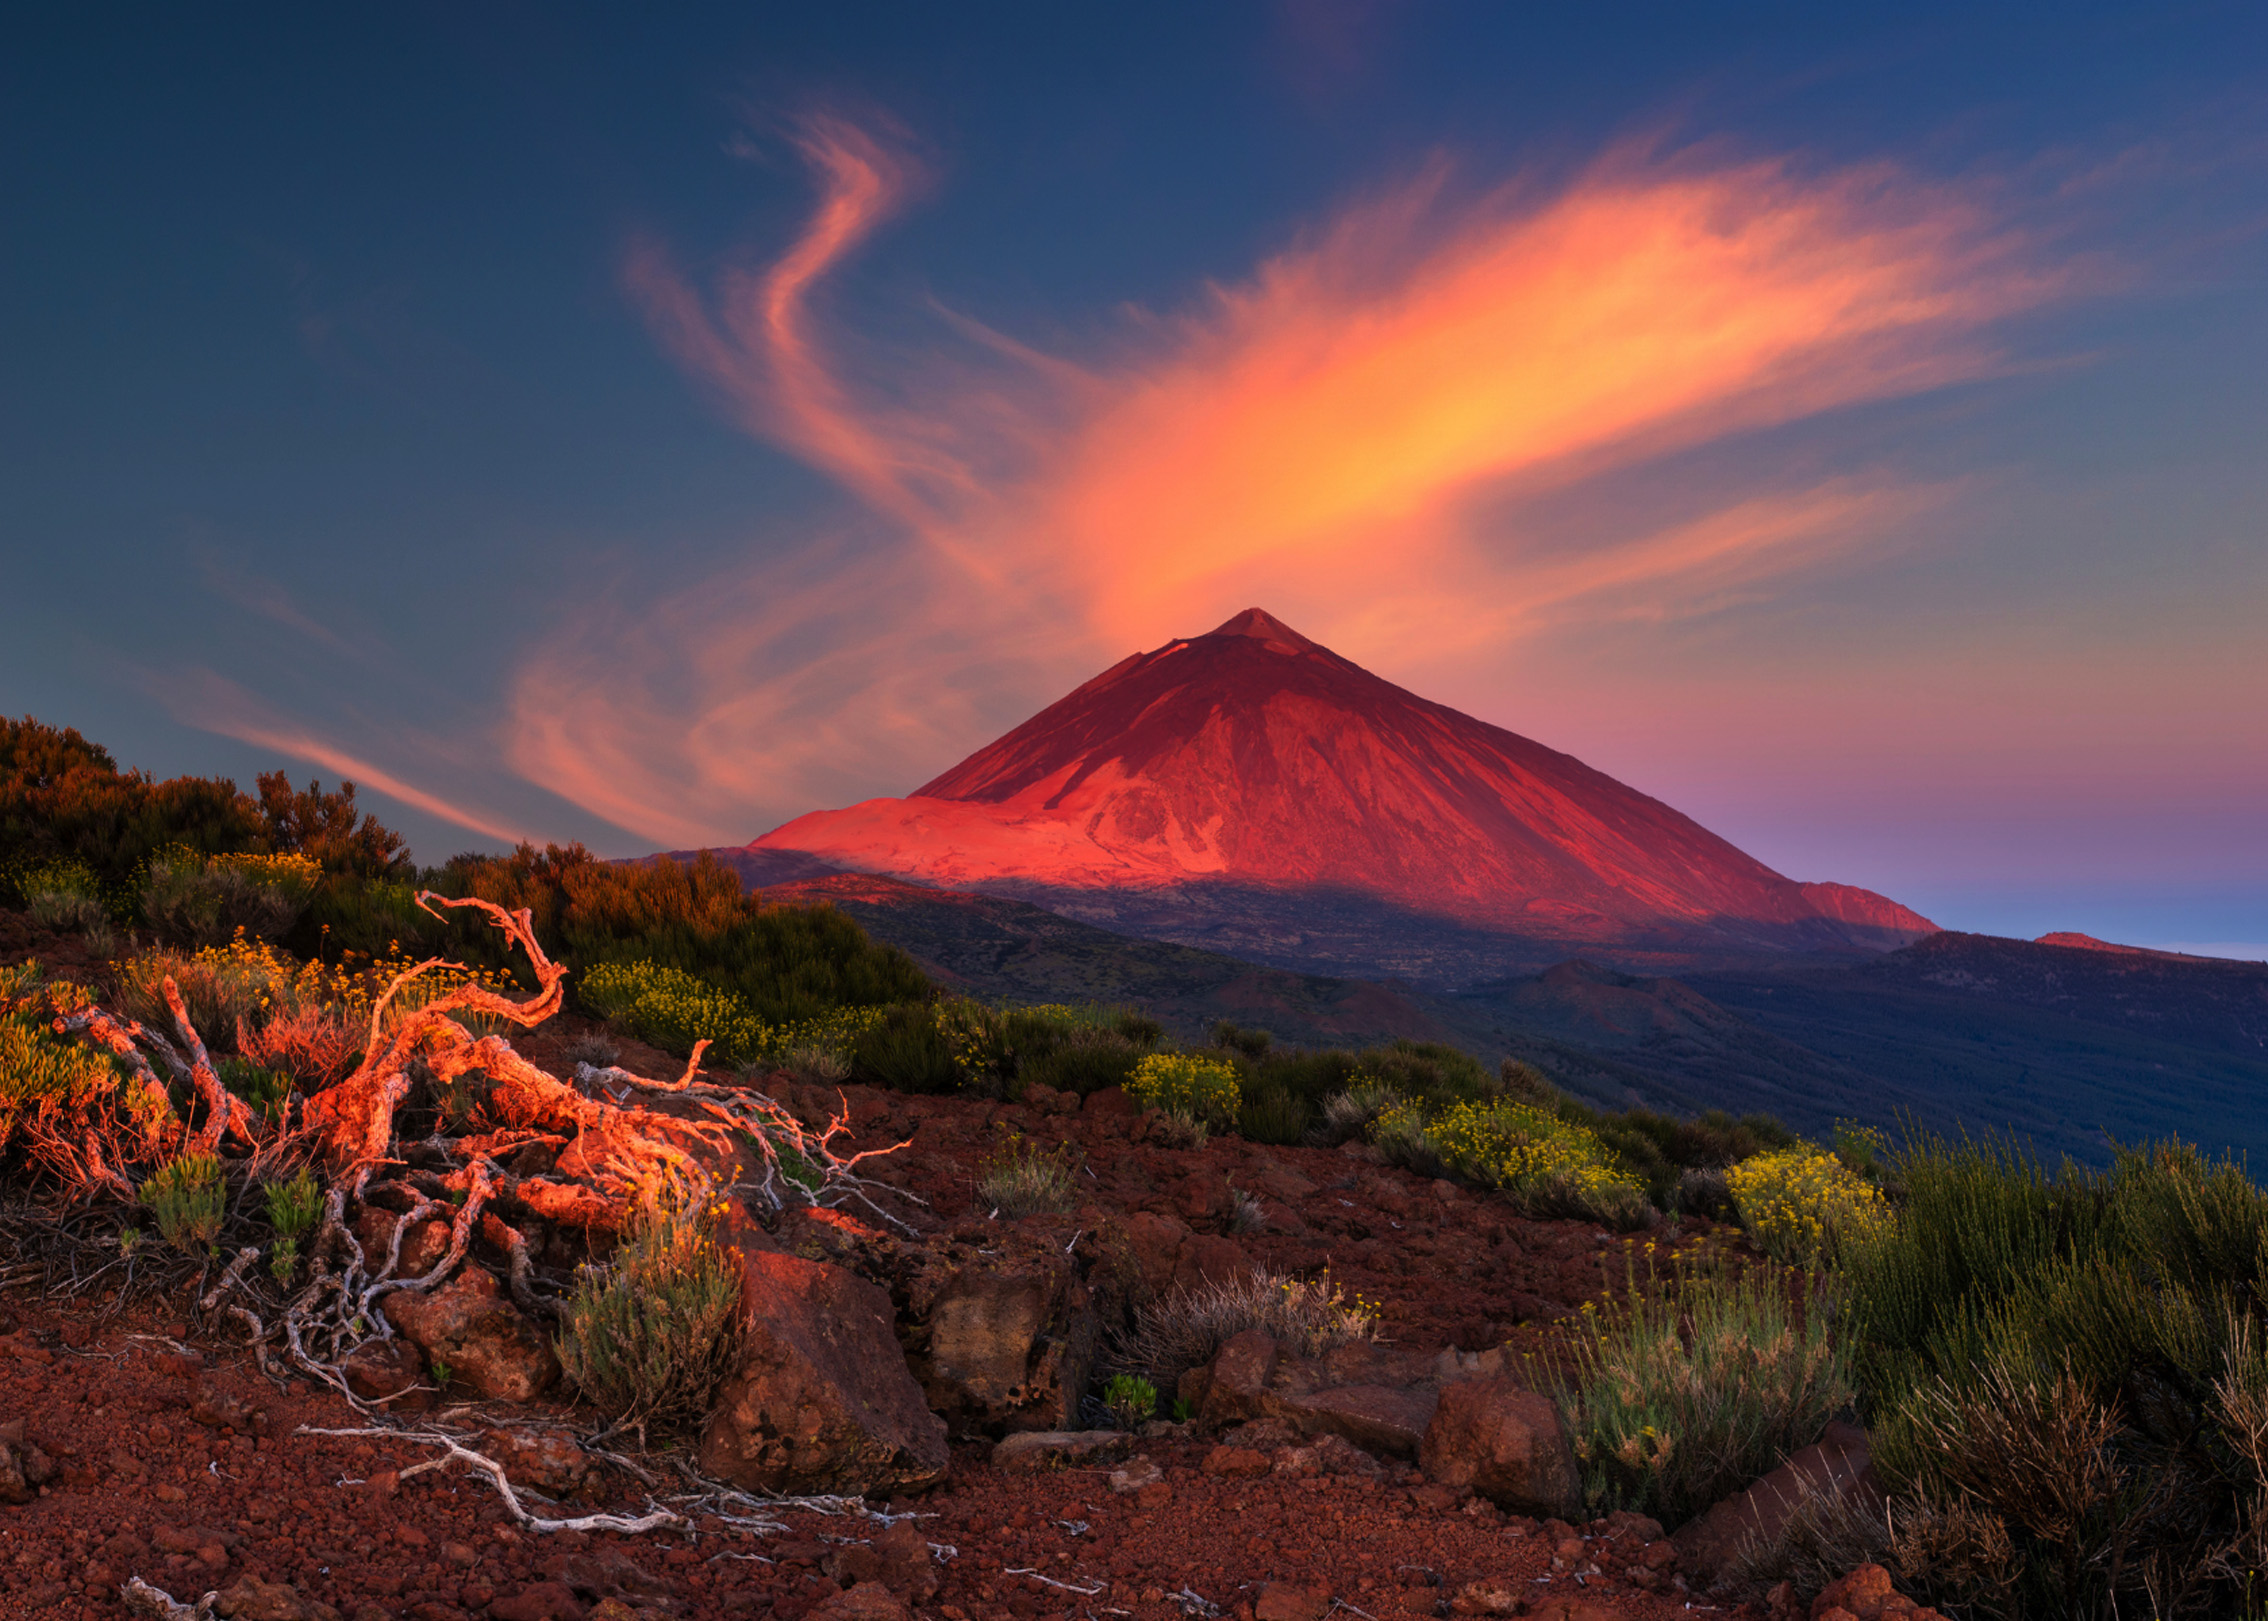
(823, 1400)
(469, 1324)
(1492, 1437)
(1001, 1341)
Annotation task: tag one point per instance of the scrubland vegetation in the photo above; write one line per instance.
(2064, 1371)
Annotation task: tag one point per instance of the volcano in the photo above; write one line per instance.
(1254, 791)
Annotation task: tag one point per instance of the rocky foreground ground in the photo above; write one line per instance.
(140, 1441)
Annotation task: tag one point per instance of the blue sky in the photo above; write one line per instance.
(439, 398)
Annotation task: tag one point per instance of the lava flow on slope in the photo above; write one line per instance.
(1252, 773)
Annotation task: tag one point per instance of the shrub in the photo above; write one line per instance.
(1804, 1207)
(1083, 1060)
(1246, 1213)
(912, 1049)
(1544, 1165)
(1203, 1089)
(64, 895)
(316, 1043)
(1272, 1115)
(2066, 1373)
(188, 1196)
(219, 991)
(294, 1206)
(63, 798)
(1677, 1398)
(650, 1336)
(41, 1074)
(1353, 1112)
(1186, 1328)
(673, 1010)
(1130, 1399)
(204, 900)
(1251, 1043)
(785, 963)
(1019, 1178)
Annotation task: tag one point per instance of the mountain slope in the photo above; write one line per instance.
(1245, 774)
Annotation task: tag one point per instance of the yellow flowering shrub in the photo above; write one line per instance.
(1804, 1206)
(1203, 1089)
(1545, 1165)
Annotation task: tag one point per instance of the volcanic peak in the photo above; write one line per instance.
(1253, 756)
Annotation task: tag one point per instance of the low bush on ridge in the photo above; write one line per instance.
(1543, 1165)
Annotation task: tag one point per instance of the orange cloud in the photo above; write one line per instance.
(1346, 435)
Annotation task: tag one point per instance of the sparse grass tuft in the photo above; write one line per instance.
(1019, 1178)
(1186, 1328)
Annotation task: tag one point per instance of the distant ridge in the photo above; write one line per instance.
(1249, 788)
(2087, 942)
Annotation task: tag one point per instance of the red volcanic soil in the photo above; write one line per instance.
(1254, 756)
(177, 1462)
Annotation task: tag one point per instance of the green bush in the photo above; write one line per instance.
(673, 1009)
(1805, 1207)
(786, 963)
(295, 1206)
(1273, 1115)
(1129, 1399)
(2073, 1363)
(188, 1197)
(651, 1335)
(910, 1049)
(41, 1073)
(1677, 1398)
(268, 1091)
(1200, 1089)
(205, 900)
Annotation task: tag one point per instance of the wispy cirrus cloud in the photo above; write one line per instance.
(210, 702)
(1346, 434)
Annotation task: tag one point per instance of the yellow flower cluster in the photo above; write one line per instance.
(1536, 1157)
(295, 872)
(1804, 1206)
(1180, 1083)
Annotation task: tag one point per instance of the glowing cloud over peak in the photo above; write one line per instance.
(1351, 431)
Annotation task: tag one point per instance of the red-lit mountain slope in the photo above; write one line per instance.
(1252, 768)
